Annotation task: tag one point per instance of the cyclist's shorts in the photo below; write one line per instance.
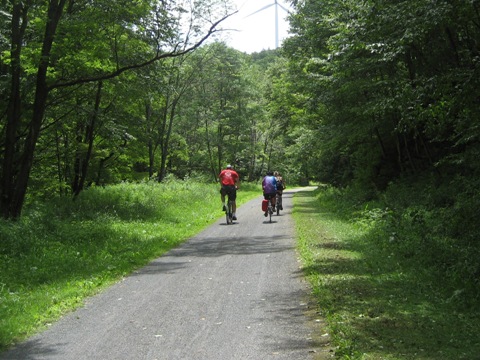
(229, 190)
(269, 196)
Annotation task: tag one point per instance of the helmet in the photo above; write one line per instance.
(229, 166)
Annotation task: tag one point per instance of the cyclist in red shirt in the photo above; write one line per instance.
(229, 180)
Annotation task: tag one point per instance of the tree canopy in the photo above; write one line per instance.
(57, 56)
(362, 93)
(392, 86)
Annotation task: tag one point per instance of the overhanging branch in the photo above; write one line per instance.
(157, 57)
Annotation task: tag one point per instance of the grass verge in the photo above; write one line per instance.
(63, 251)
(378, 303)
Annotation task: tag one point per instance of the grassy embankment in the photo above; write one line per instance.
(61, 252)
(380, 276)
(390, 282)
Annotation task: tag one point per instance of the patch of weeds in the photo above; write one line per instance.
(382, 297)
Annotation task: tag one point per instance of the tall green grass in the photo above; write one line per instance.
(387, 275)
(62, 251)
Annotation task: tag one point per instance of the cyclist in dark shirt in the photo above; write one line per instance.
(280, 185)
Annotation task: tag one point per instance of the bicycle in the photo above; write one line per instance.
(270, 209)
(229, 211)
(279, 202)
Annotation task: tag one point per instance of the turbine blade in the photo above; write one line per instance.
(263, 8)
(283, 7)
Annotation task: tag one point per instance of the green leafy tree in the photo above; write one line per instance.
(392, 79)
(57, 45)
(217, 106)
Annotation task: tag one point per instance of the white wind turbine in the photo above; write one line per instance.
(276, 4)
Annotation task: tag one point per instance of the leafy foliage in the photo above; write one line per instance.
(393, 99)
(56, 50)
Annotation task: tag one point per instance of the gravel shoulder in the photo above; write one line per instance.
(231, 292)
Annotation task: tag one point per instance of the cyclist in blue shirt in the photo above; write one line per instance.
(269, 186)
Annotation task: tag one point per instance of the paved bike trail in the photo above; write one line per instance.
(231, 292)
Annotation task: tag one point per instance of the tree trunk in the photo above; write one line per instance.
(209, 149)
(9, 166)
(101, 166)
(60, 171)
(150, 146)
(15, 178)
(162, 139)
(166, 139)
(380, 142)
(83, 162)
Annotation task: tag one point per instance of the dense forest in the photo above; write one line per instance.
(390, 88)
(376, 96)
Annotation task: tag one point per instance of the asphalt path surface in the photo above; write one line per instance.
(231, 292)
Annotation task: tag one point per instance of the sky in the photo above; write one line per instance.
(256, 32)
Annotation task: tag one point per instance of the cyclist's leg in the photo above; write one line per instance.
(274, 199)
(265, 196)
(232, 196)
(271, 207)
(279, 199)
(223, 192)
(234, 199)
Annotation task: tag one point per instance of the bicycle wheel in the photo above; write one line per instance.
(229, 213)
(279, 203)
(270, 209)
